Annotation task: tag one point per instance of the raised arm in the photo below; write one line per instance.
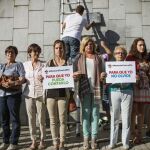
(105, 47)
(88, 26)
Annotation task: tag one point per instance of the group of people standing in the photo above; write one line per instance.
(88, 66)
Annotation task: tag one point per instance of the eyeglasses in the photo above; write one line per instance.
(119, 53)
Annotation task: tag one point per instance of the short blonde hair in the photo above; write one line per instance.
(84, 42)
(122, 48)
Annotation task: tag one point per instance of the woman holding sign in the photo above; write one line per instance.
(88, 70)
(56, 100)
(138, 53)
(121, 100)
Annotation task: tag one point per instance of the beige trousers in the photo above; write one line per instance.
(33, 106)
(57, 109)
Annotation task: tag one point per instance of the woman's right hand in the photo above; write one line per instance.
(5, 84)
(76, 75)
(40, 78)
(103, 76)
(137, 77)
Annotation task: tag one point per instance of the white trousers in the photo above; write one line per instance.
(33, 106)
(121, 102)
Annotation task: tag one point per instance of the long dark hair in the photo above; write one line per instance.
(133, 51)
(63, 44)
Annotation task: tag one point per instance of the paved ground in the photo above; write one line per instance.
(74, 143)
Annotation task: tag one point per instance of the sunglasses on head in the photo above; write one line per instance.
(118, 53)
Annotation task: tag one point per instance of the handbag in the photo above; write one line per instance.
(8, 79)
(72, 105)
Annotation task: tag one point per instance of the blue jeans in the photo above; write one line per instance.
(9, 110)
(72, 47)
(90, 116)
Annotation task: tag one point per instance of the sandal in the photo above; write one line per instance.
(33, 147)
(41, 146)
(136, 140)
(93, 144)
(86, 144)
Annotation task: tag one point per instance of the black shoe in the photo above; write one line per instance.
(148, 133)
(78, 134)
(62, 148)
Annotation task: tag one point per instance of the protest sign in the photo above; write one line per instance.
(58, 77)
(120, 72)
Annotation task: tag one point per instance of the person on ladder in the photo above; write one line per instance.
(72, 29)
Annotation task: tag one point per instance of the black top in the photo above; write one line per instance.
(52, 93)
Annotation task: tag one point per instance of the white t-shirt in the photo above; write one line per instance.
(90, 72)
(74, 25)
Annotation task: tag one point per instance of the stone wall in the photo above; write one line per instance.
(23, 22)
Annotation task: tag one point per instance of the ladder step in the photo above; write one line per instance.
(69, 3)
(67, 13)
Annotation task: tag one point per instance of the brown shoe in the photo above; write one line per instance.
(56, 147)
(33, 146)
(61, 146)
(42, 145)
(4, 146)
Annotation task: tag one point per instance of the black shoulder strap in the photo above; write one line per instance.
(49, 63)
(3, 69)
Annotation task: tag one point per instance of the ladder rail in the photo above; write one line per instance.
(61, 17)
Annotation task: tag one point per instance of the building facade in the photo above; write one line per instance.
(23, 22)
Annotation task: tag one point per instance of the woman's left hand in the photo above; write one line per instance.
(11, 83)
(7, 84)
(40, 78)
(103, 76)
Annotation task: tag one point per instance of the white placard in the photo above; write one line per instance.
(120, 72)
(58, 77)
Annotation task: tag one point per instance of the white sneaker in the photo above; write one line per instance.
(12, 147)
(109, 147)
(3, 146)
(126, 147)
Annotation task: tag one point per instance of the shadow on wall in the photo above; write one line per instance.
(110, 37)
